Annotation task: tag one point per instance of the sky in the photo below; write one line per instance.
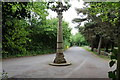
(70, 14)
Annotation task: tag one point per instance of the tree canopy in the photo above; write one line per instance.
(27, 31)
(102, 27)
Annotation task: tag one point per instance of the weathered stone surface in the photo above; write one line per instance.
(61, 64)
(59, 58)
(59, 55)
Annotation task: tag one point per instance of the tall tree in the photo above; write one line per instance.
(14, 27)
(111, 14)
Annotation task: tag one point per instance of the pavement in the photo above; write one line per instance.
(84, 65)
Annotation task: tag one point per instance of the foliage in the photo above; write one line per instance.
(110, 14)
(26, 31)
(37, 29)
(78, 39)
(53, 23)
(14, 28)
(103, 20)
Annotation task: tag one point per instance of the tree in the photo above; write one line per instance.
(78, 39)
(26, 31)
(14, 28)
(92, 27)
(107, 17)
(109, 14)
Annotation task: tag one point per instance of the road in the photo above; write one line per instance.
(84, 65)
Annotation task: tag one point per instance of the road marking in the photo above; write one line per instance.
(76, 69)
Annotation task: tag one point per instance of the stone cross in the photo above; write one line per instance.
(59, 55)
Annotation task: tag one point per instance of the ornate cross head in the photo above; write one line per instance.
(58, 6)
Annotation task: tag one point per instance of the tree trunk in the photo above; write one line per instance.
(92, 46)
(107, 46)
(59, 55)
(118, 55)
(99, 45)
(112, 46)
(118, 60)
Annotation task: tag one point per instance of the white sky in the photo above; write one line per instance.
(70, 14)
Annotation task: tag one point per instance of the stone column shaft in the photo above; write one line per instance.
(59, 55)
(59, 35)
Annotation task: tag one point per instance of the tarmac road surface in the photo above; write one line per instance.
(84, 65)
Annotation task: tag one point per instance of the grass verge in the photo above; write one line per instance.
(101, 56)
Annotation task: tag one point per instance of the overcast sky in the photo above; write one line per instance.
(69, 15)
